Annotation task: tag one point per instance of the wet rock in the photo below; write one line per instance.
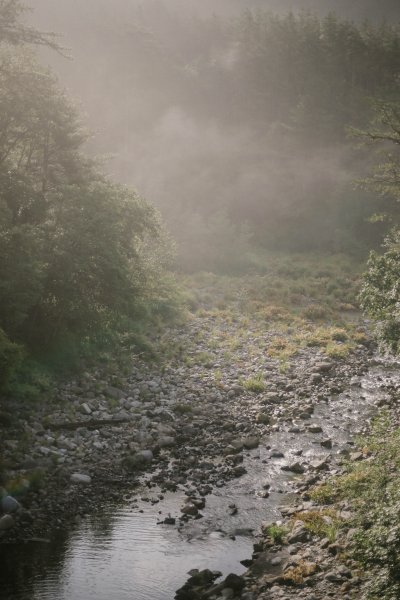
(9, 504)
(169, 520)
(314, 429)
(197, 584)
(234, 459)
(239, 471)
(276, 454)
(190, 509)
(233, 510)
(234, 582)
(327, 443)
(294, 468)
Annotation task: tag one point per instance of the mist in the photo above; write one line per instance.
(180, 109)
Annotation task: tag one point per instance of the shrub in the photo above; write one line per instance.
(380, 293)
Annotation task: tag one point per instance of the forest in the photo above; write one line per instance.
(258, 131)
(234, 164)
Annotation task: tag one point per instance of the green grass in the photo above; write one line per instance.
(254, 384)
(302, 300)
(372, 487)
(276, 532)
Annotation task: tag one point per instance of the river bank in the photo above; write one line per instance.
(239, 400)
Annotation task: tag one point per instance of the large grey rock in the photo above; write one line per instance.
(6, 522)
(298, 534)
(85, 408)
(294, 468)
(9, 504)
(146, 455)
(81, 478)
(251, 442)
(166, 441)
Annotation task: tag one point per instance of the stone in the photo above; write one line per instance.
(276, 454)
(202, 578)
(235, 582)
(6, 522)
(294, 468)
(319, 465)
(237, 445)
(146, 455)
(323, 367)
(86, 409)
(251, 442)
(190, 509)
(327, 443)
(298, 534)
(356, 456)
(9, 504)
(166, 441)
(314, 429)
(334, 577)
(238, 471)
(81, 478)
(304, 416)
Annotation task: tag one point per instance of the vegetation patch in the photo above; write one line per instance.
(373, 489)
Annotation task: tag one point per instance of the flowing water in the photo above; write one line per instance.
(122, 553)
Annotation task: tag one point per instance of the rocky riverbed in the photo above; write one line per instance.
(192, 425)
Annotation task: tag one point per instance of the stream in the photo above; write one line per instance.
(122, 552)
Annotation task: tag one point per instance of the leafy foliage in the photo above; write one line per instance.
(380, 294)
(373, 489)
(79, 254)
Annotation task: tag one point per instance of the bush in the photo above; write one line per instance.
(380, 293)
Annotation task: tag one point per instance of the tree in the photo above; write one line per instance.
(13, 32)
(380, 294)
(77, 252)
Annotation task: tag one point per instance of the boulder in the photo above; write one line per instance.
(9, 504)
(6, 522)
(81, 478)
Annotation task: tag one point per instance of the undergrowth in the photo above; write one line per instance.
(372, 487)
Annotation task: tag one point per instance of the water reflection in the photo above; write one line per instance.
(24, 566)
